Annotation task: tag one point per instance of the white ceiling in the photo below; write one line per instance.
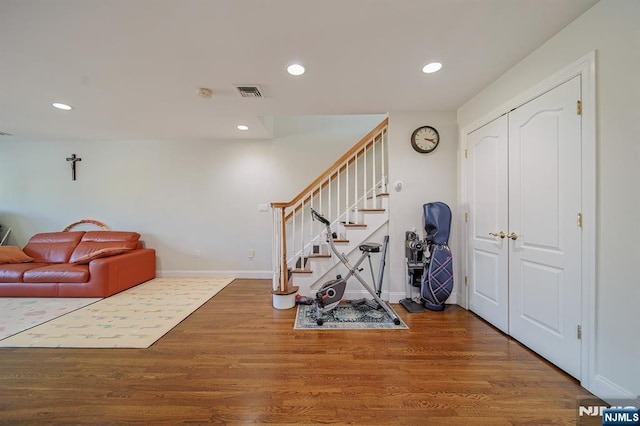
(132, 68)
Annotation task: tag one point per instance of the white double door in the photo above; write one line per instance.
(524, 188)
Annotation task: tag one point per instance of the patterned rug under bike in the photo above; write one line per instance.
(346, 317)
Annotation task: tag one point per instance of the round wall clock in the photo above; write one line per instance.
(425, 139)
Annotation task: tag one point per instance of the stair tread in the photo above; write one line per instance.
(318, 255)
(371, 210)
(355, 225)
(301, 271)
(382, 194)
(340, 241)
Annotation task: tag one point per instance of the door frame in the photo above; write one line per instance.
(584, 67)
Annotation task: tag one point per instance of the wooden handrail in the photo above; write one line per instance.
(371, 136)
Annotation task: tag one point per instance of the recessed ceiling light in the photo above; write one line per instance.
(295, 69)
(242, 127)
(431, 67)
(62, 106)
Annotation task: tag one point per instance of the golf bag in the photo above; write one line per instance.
(437, 278)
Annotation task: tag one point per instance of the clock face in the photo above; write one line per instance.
(425, 139)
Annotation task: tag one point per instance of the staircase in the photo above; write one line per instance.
(352, 194)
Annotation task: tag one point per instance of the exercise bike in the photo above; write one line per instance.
(330, 294)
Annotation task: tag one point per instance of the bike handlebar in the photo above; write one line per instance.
(316, 215)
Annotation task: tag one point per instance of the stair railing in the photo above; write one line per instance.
(351, 184)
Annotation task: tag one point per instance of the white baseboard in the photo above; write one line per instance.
(392, 297)
(359, 294)
(396, 296)
(215, 274)
(606, 390)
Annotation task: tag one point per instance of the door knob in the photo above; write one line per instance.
(499, 234)
(513, 236)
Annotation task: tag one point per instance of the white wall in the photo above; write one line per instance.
(182, 196)
(426, 178)
(612, 29)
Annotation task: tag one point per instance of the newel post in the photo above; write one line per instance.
(283, 293)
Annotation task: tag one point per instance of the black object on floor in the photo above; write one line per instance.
(411, 306)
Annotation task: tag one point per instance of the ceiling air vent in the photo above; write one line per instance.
(249, 91)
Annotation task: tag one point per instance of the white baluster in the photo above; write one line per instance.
(374, 179)
(338, 196)
(364, 189)
(293, 235)
(302, 235)
(320, 199)
(355, 189)
(382, 153)
(346, 191)
(329, 195)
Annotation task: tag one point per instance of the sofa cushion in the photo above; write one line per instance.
(97, 242)
(57, 273)
(13, 273)
(53, 247)
(13, 254)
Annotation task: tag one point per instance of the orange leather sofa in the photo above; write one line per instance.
(79, 264)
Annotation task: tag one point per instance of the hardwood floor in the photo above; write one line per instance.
(236, 360)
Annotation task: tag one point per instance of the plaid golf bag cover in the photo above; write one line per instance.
(437, 281)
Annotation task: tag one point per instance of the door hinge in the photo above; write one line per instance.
(466, 153)
(580, 220)
(579, 107)
(466, 280)
(466, 216)
(579, 332)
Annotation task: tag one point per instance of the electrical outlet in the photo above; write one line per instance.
(252, 253)
(198, 254)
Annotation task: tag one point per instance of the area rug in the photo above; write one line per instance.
(22, 313)
(134, 318)
(346, 317)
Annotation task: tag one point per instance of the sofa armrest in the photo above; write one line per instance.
(110, 275)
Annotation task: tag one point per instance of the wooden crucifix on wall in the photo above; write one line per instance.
(73, 160)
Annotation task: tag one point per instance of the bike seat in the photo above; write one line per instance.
(370, 247)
